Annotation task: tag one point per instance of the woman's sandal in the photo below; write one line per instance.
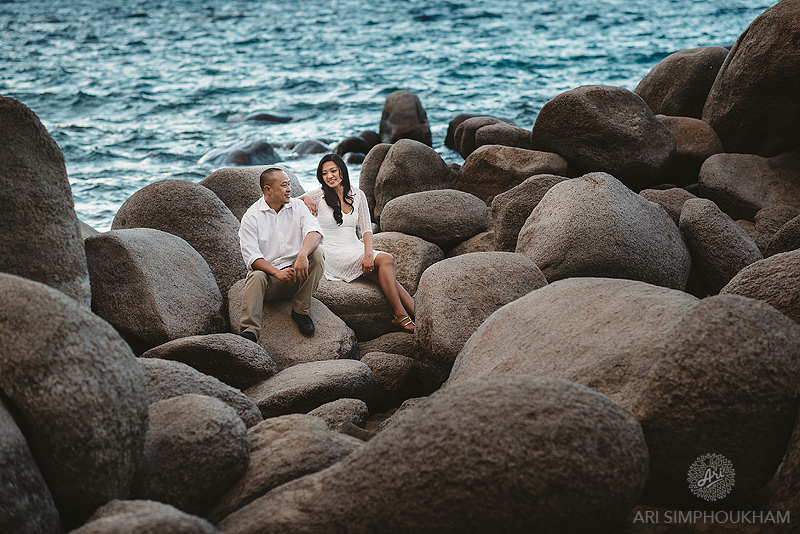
(405, 323)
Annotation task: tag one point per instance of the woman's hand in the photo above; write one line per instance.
(367, 264)
(310, 204)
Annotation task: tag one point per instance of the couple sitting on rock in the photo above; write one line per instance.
(287, 250)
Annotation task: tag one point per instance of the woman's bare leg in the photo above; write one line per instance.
(406, 299)
(385, 277)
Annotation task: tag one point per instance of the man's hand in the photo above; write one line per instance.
(301, 268)
(286, 275)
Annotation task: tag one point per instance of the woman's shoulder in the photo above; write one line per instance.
(314, 194)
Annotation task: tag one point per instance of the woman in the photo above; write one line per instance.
(340, 208)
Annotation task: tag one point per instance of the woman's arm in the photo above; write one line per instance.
(368, 263)
(310, 198)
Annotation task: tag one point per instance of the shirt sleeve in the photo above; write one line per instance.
(364, 220)
(308, 223)
(248, 240)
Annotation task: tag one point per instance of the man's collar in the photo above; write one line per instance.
(263, 206)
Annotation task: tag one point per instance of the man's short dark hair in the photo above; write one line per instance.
(267, 174)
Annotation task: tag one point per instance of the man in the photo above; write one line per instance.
(279, 237)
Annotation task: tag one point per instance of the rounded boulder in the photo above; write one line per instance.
(238, 187)
(403, 117)
(412, 256)
(144, 517)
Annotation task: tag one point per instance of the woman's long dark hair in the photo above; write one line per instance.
(331, 198)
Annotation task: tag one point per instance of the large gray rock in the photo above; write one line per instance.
(306, 386)
(719, 247)
(167, 379)
(671, 200)
(153, 287)
(679, 84)
(695, 142)
(476, 132)
(743, 184)
(334, 413)
(444, 467)
(726, 383)
(482, 242)
(197, 447)
(360, 304)
(445, 217)
(144, 517)
(595, 226)
(786, 239)
(753, 104)
(403, 117)
(412, 255)
(397, 378)
(457, 294)
(768, 221)
(282, 449)
(394, 343)
(28, 506)
(238, 187)
(408, 167)
(228, 357)
(77, 392)
(775, 280)
(369, 173)
(609, 129)
(598, 332)
(452, 128)
(194, 213)
(494, 169)
(511, 209)
(283, 341)
(40, 237)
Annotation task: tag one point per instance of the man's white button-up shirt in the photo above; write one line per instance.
(275, 236)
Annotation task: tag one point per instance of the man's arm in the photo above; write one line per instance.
(310, 242)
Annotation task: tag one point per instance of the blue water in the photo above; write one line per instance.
(139, 90)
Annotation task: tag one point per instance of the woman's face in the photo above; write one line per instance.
(331, 175)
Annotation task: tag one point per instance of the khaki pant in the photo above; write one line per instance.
(260, 286)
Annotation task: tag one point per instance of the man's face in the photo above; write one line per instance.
(278, 189)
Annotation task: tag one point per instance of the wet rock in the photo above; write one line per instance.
(785, 239)
(443, 470)
(445, 217)
(397, 378)
(283, 341)
(409, 167)
(743, 184)
(263, 116)
(230, 358)
(726, 384)
(352, 144)
(360, 304)
(167, 379)
(144, 517)
(354, 158)
(412, 256)
(194, 213)
(282, 449)
(511, 209)
(153, 287)
(595, 226)
(257, 152)
(695, 142)
(403, 117)
(719, 247)
(353, 411)
(457, 294)
(609, 129)
(197, 447)
(482, 242)
(310, 146)
(494, 169)
(452, 127)
(28, 506)
(238, 187)
(372, 138)
(476, 132)
(775, 280)
(679, 84)
(40, 237)
(753, 102)
(306, 386)
(599, 332)
(77, 393)
(671, 200)
(369, 173)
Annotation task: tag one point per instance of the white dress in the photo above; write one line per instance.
(344, 251)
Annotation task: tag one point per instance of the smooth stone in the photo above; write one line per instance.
(403, 117)
(397, 378)
(412, 256)
(238, 187)
(334, 413)
(144, 517)
(671, 200)
(361, 304)
(512, 208)
(695, 142)
(482, 242)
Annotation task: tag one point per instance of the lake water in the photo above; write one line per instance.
(140, 90)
